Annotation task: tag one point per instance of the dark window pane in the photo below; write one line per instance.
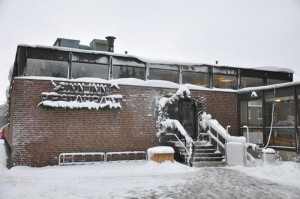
(251, 82)
(128, 72)
(276, 81)
(255, 135)
(282, 137)
(283, 112)
(89, 70)
(225, 81)
(51, 68)
(168, 75)
(200, 79)
(255, 109)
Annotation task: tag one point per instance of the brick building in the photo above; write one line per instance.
(73, 98)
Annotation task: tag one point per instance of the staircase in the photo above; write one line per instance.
(205, 154)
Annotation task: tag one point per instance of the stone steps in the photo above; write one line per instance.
(205, 154)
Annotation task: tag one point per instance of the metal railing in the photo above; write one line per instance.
(126, 156)
(81, 158)
(214, 124)
(189, 153)
(92, 157)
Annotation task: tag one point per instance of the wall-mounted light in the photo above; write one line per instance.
(278, 100)
(223, 79)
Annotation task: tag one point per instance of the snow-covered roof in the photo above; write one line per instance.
(158, 61)
(258, 88)
(129, 82)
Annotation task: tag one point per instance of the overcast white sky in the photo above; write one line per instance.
(244, 33)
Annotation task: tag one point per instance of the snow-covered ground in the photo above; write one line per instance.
(148, 180)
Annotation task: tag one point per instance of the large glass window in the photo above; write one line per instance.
(128, 72)
(283, 131)
(197, 78)
(51, 68)
(225, 81)
(89, 70)
(251, 120)
(276, 81)
(251, 82)
(159, 74)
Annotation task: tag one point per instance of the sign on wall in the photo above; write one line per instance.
(81, 95)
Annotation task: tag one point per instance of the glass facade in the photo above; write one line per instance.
(168, 75)
(128, 72)
(196, 78)
(274, 116)
(276, 81)
(89, 70)
(251, 120)
(283, 126)
(251, 82)
(225, 81)
(50, 68)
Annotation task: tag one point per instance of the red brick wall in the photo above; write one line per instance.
(40, 134)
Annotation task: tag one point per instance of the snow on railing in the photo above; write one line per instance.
(213, 123)
(163, 122)
(92, 157)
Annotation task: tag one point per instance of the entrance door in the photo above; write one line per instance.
(185, 112)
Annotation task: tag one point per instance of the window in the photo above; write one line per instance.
(89, 70)
(164, 72)
(128, 68)
(259, 114)
(251, 82)
(128, 72)
(275, 81)
(50, 68)
(225, 81)
(249, 114)
(283, 131)
(196, 78)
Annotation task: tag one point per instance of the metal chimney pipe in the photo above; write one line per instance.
(110, 43)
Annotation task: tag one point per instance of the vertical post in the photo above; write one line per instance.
(217, 142)
(247, 133)
(147, 71)
(180, 74)
(209, 136)
(110, 67)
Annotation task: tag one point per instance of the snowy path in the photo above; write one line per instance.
(141, 180)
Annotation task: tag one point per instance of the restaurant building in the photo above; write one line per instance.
(70, 98)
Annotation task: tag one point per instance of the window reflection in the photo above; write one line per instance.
(168, 75)
(225, 81)
(275, 81)
(51, 68)
(128, 72)
(251, 82)
(89, 70)
(196, 78)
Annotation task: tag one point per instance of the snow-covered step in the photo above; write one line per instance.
(208, 155)
(196, 159)
(209, 164)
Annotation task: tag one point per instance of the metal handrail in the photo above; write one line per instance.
(62, 157)
(189, 152)
(125, 153)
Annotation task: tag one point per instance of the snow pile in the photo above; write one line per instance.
(286, 173)
(160, 149)
(108, 180)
